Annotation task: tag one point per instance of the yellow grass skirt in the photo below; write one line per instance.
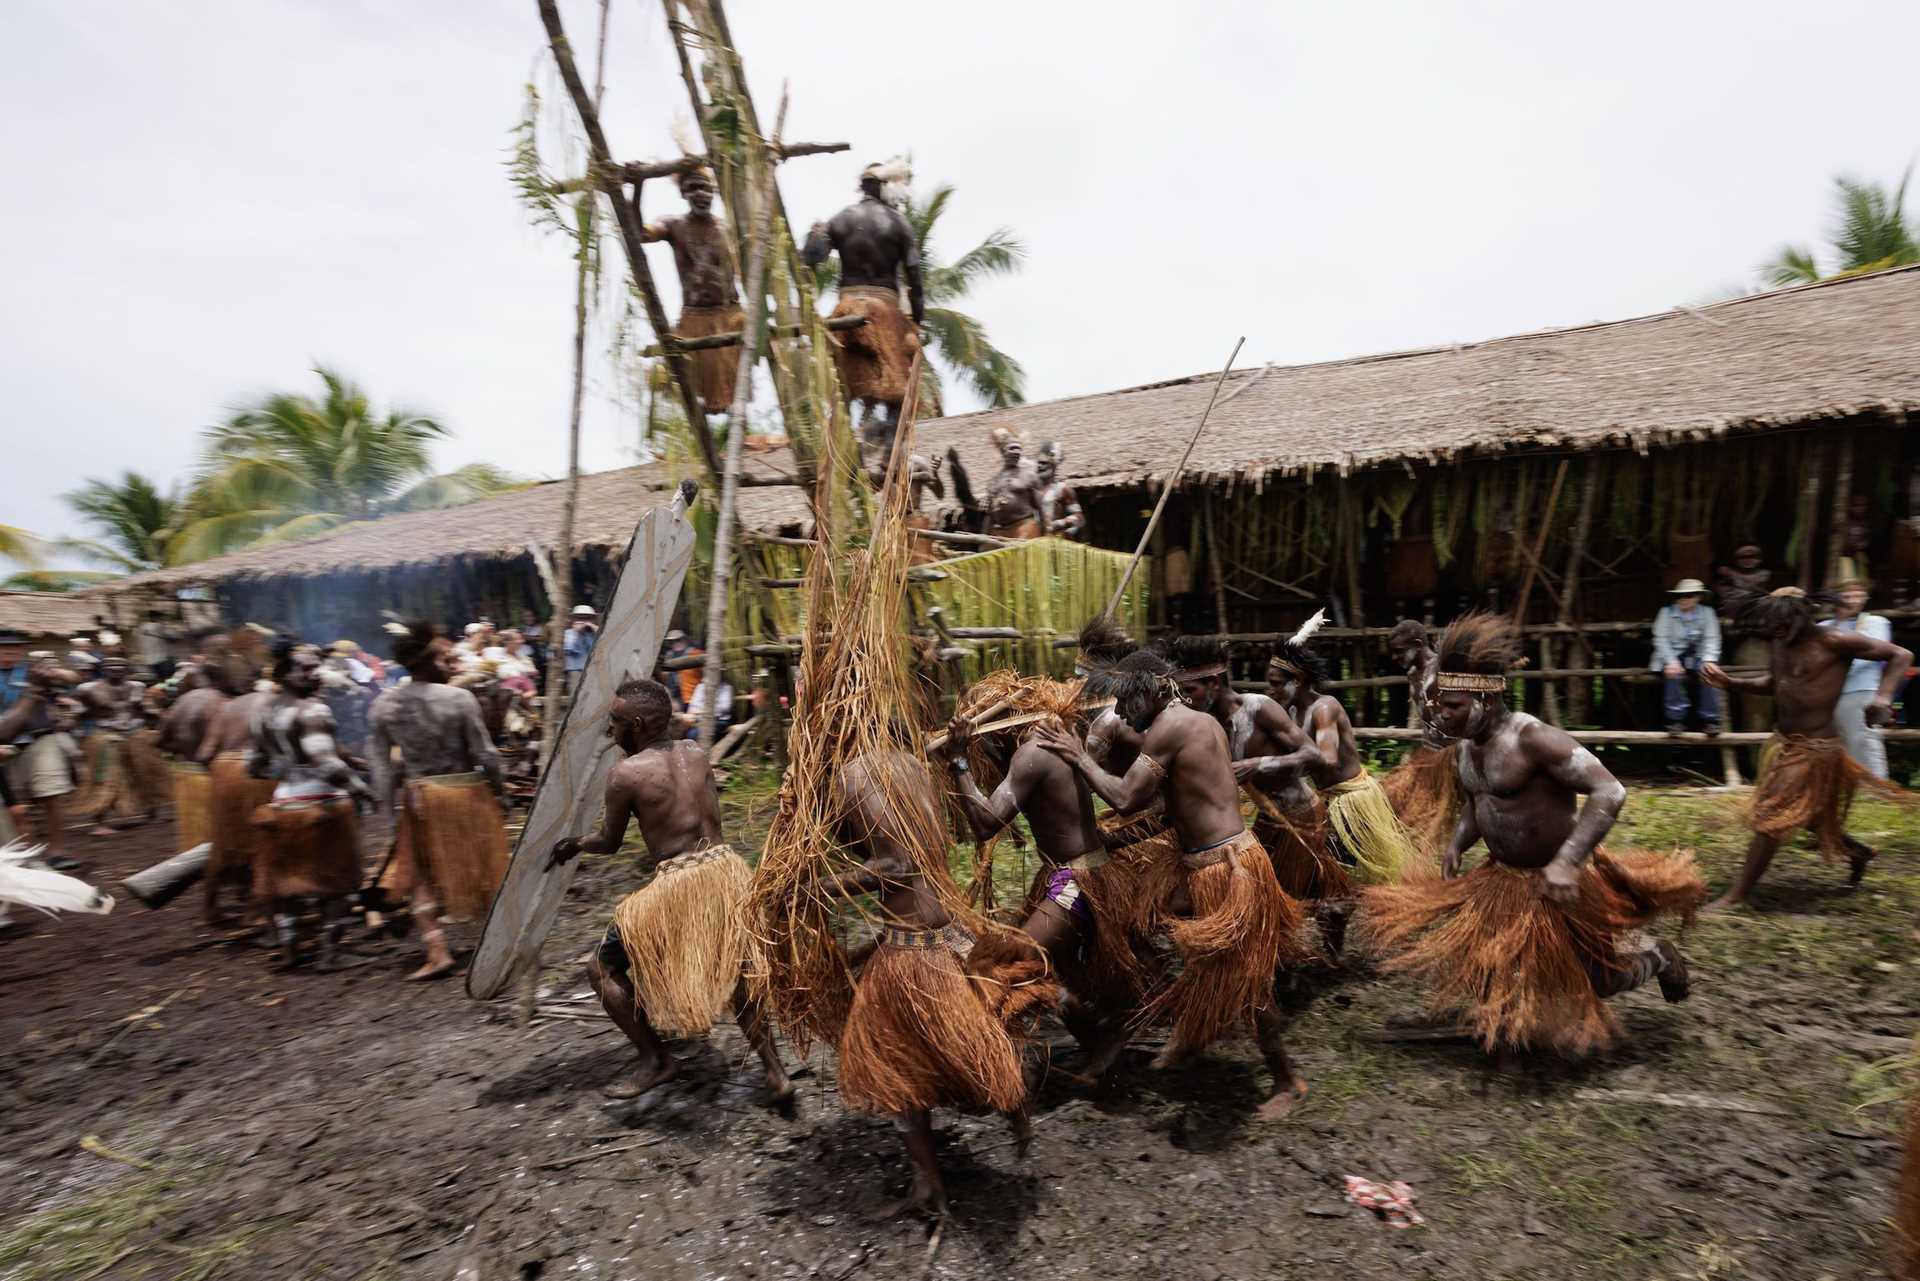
(1811, 782)
(232, 797)
(192, 805)
(453, 838)
(686, 940)
(1363, 822)
(1491, 946)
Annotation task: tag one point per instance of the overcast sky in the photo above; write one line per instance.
(204, 198)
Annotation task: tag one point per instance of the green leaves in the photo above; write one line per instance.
(1870, 232)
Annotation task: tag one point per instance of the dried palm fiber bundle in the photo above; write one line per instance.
(685, 938)
(1811, 782)
(1117, 960)
(233, 795)
(853, 705)
(1424, 791)
(192, 804)
(310, 847)
(1296, 846)
(453, 838)
(1492, 947)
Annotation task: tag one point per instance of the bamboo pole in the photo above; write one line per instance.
(1570, 583)
(1808, 518)
(1166, 490)
(1842, 497)
(1215, 563)
(756, 298)
(627, 213)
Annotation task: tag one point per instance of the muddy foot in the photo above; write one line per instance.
(433, 969)
(928, 1203)
(1724, 903)
(1283, 1100)
(642, 1081)
(1675, 983)
(785, 1100)
(1858, 856)
(1022, 1125)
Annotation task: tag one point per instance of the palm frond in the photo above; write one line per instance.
(1871, 229)
(17, 544)
(54, 580)
(1001, 254)
(463, 485)
(1793, 265)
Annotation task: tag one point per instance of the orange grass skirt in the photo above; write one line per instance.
(1810, 782)
(1425, 793)
(875, 358)
(929, 1029)
(453, 838)
(1243, 927)
(192, 805)
(1491, 947)
(1296, 846)
(232, 797)
(715, 368)
(311, 847)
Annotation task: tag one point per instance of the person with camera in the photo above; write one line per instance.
(581, 636)
(1686, 636)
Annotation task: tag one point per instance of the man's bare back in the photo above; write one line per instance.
(184, 726)
(231, 727)
(881, 826)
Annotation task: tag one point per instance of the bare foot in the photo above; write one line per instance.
(1170, 1057)
(785, 1100)
(1022, 1133)
(929, 1202)
(436, 967)
(1283, 1099)
(1675, 983)
(643, 1080)
(1725, 902)
(1858, 856)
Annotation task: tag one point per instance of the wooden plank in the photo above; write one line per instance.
(566, 803)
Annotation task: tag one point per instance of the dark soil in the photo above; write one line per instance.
(243, 1122)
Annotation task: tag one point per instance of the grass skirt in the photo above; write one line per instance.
(192, 805)
(1810, 783)
(311, 847)
(929, 1029)
(715, 368)
(453, 838)
(232, 797)
(1296, 846)
(685, 939)
(1424, 791)
(129, 776)
(1363, 823)
(874, 358)
(1243, 928)
(1491, 947)
(1117, 967)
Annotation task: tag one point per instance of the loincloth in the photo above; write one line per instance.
(232, 797)
(1425, 793)
(311, 847)
(1102, 894)
(875, 358)
(682, 941)
(1296, 846)
(1491, 946)
(1243, 927)
(192, 805)
(715, 369)
(939, 1019)
(1366, 834)
(1811, 782)
(453, 839)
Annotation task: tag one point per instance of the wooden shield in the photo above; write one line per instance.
(567, 802)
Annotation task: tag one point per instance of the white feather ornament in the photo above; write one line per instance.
(1308, 628)
(30, 883)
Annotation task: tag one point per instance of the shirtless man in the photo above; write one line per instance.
(233, 794)
(709, 303)
(1013, 495)
(1524, 984)
(920, 1034)
(1058, 806)
(1184, 761)
(444, 792)
(1811, 781)
(1060, 513)
(666, 786)
(124, 782)
(877, 248)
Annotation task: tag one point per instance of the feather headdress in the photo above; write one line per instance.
(25, 880)
(1308, 628)
(1292, 657)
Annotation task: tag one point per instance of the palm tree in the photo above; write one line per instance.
(292, 466)
(134, 518)
(17, 544)
(1870, 233)
(959, 340)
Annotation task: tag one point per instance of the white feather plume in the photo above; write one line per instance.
(896, 175)
(1308, 628)
(30, 883)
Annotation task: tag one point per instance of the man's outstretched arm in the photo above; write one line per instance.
(1128, 795)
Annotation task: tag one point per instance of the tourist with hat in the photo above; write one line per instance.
(1686, 634)
(581, 635)
(1863, 741)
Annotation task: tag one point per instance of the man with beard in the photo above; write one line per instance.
(1060, 513)
(1230, 919)
(311, 851)
(450, 842)
(126, 769)
(1424, 789)
(1808, 780)
(1529, 946)
(877, 249)
(1013, 495)
(703, 255)
(674, 955)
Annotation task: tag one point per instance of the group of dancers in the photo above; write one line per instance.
(1242, 836)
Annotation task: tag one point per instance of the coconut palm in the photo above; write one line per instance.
(54, 580)
(292, 465)
(17, 544)
(1870, 232)
(959, 341)
(134, 519)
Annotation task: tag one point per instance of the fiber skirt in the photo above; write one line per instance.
(1109, 909)
(192, 805)
(1366, 830)
(1521, 969)
(452, 837)
(1296, 846)
(715, 368)
(875, 358)
(1811, 782)
(931, 1027)
(1425, 793)
(312, 847)
(685, 939)
(232, 797)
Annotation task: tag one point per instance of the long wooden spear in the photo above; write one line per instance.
(1167, 488)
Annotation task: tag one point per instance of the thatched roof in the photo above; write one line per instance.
(51, 613)
(610, 504)
(1770, 360)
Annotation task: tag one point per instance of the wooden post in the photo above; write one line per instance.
(1570, 613)
(1355, 527)
(601, 162)
(1842, 496)
(1807, 519)
(755, 325)
(1216, 562)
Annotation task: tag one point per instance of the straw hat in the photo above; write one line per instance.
(1688, 587)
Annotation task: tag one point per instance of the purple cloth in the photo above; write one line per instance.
(1064, 892)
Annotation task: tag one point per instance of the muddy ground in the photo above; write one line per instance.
(175, 1108)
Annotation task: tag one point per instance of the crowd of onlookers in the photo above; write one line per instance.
(1689, 632)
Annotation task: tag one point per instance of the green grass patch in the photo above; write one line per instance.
(120, 1229)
